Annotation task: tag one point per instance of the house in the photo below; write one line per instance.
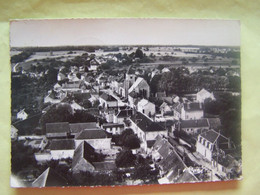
(97, 138)
(167, 159)
(22, 115)
(140, 87)
(204, 94)
(93, 65)
(107, 101)
(83, 157)
(133, 99)
(122, 115)
(49, 178)
(212, 143)
(216, 148)
(75, 106)
(164, 70)
(194, 127)
(146, 130)
(177, 109)
(192, 110)
(61, 148)
(146, 107)
(57, 130)
(61, 76)
(57, 87)
(14, 133)
(165, 109)
(54, 97)
(113, 128)
(71, 86)
(76, 128)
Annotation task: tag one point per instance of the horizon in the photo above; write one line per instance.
(109, 32)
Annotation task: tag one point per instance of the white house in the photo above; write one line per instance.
(22, 115)
(212, 143)
(113, 128)
(146, 130)
(14, 133)
(192, 110)
(107, 101)
(140, 87)
(193, 127)
(146, 107)
(204, 94)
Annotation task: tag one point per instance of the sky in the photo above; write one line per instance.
(25, 33)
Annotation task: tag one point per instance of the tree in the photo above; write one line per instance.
(57, 113)
(129, 139)
(139, 53)
(125, 158)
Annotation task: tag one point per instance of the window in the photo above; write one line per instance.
(208, 145)
(204, 142)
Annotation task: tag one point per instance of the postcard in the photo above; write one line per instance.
(107, 102)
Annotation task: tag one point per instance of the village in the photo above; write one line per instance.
(129, 125)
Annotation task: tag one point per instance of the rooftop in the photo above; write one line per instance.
(194, 123)
(107, 97)
(62, 144)
(60, 127)
(146, 124)
(91, 134)
(49, 178)
(77, 127)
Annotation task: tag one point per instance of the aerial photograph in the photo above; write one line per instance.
(96, 113)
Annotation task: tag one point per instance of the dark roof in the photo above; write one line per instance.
(210, 135)
(193, 106)
(108, 97)
(84, 150)
(61, 127)
(78, 127)
(112, 125)
(150, 143)
(50, 178)
(91, 134)
(145, 123)
(130, 70)
(62, 144)
(82, 95)
(172, 162)
(124, 113)
(214, 123)
(104, 166)
(199, 123)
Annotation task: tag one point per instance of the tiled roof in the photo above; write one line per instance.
(78, 127)
(136, 83)
(107, 97)
(210, 135)
(112, 125)
(91, 134)
(61, 127)
(62, 144)
(50, 178)
(146, 124)
(199, 123)
(214, 123)
(84, 150)
(124, 113)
